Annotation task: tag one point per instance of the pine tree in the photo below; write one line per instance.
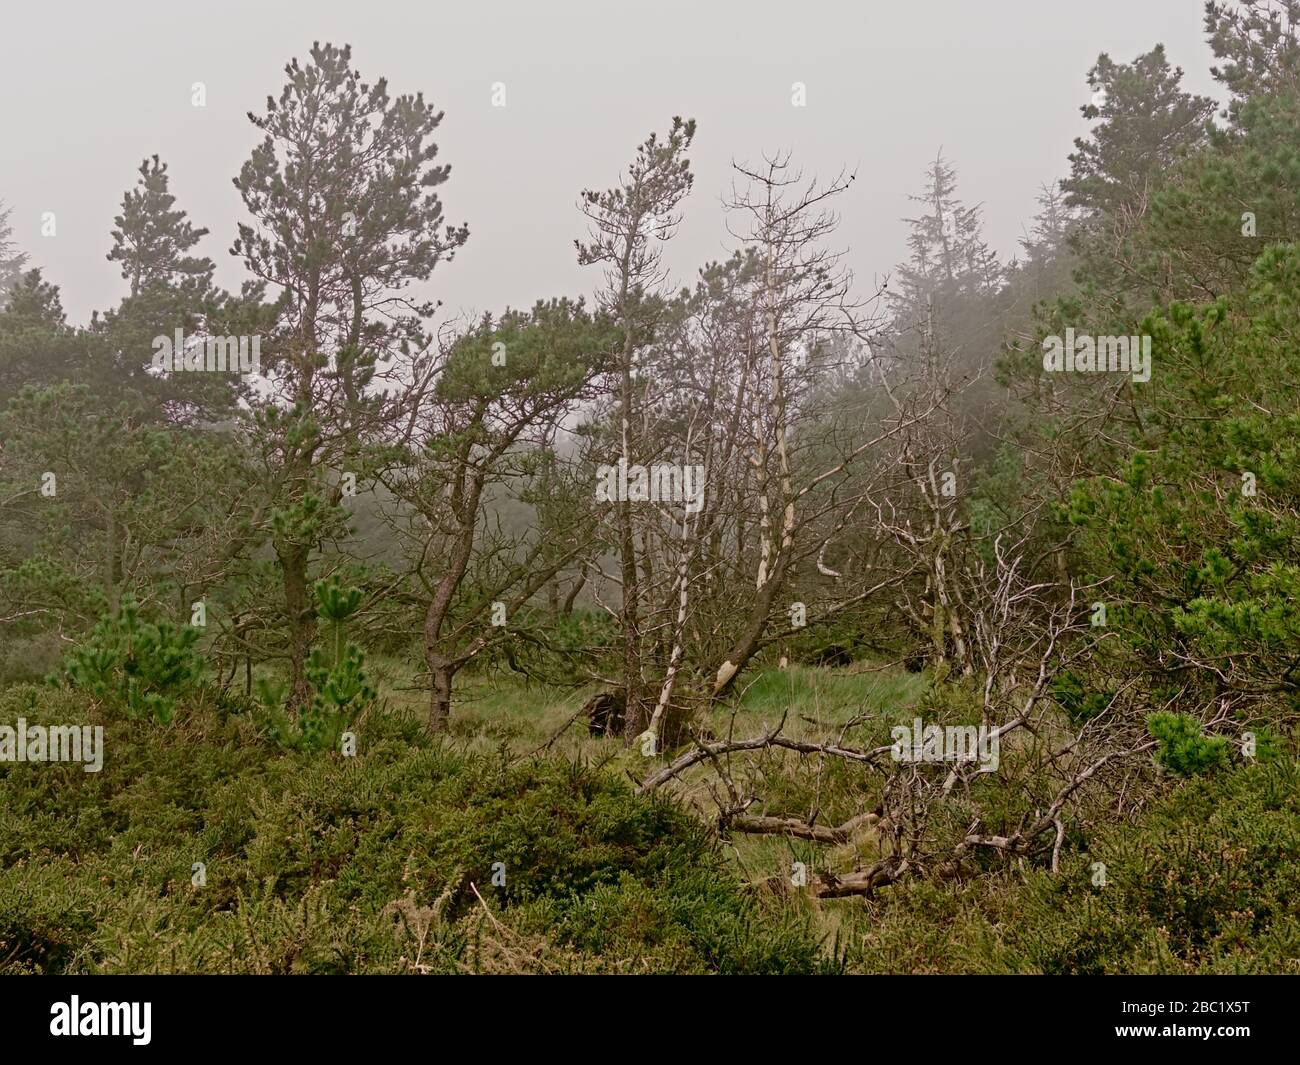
(1046, 241)
(11, 260)
(345, 217)
(37, 346)
(949, 255)
(170, 289)
(152, 238)
(1260, 39)
(1147, 124)
(629, 224)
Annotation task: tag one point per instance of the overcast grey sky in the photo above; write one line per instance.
(91, 88)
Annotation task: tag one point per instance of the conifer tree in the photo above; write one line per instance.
(344, 218)
(37, 345)
(949, 255)
(1260, 41)
(152, 238)
(1146, 124)
(169, 290)
(12, 260)
(629, 224)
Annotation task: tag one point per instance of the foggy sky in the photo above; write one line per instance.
(90, 89)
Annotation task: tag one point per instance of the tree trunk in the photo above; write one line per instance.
(751, 637)
(442, 666)
(573, 593)
(301, 618)
(634, 719)
(440, 695)
(629, 621)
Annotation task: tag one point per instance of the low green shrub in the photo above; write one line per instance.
(206, 848)
(1184, 748)
(139, 667)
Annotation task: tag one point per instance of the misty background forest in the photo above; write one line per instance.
(760, 618)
